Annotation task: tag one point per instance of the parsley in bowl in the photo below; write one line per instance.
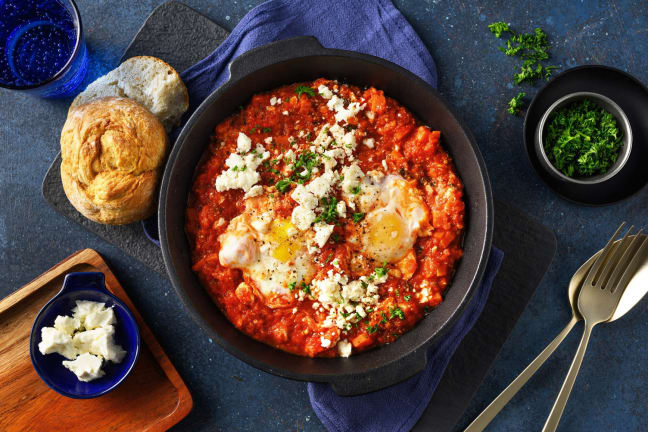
(583, 138)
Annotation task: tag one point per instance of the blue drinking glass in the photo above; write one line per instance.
(42, 50)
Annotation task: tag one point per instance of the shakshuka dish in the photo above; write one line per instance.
(324, 219)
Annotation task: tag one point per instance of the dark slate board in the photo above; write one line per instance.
(528, 246)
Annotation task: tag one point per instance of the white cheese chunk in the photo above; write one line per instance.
(344, 348)
(302, 217)
(88, 348)
(243, 143)
(325, 342)
(352, 176)
(341, 208)
(241, 172)
(322, 233)
(56, 341)
(99, 318)
(86, 367)
(369, 142)
(324, 91)
(254, 191)
(66, 324)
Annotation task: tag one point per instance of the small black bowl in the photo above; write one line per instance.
(625, 91)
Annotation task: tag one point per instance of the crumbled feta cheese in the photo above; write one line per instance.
(88, 348)
(302, 217)
(254, 191)
(384, 164)
(325, 342)
(289, 155)
(344, 348)
(268, 140)
(352, 176)
(336, 104)
(322, 233)
(66, 324)
(241, 172)
(273, 101)
(285, 113)
(369, 142)
(341, 208)
(321, 186)
(86, 367)
(243, 143)
(324, 91)
(55, 341)
(304, 197)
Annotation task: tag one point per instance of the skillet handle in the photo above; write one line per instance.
(381, 378)
(282, 50)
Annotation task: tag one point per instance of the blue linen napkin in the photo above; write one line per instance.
(398, 408)
(373, 27)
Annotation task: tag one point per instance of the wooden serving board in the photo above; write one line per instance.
(153, 397)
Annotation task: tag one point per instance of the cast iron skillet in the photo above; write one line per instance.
(302, 59)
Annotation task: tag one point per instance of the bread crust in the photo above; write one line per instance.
(150, 81)
(112, 150)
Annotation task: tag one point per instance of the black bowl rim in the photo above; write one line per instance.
(418, 350)
(528, 146)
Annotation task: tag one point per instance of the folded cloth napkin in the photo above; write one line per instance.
(373, 27)
(398, 408)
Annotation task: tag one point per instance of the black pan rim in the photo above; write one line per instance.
(529, 146)
(476, 277)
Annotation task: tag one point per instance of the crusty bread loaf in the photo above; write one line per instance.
(112, 150)
(150, 81)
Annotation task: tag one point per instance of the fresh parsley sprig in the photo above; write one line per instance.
(301, 89)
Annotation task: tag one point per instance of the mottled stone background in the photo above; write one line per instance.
(611, 393)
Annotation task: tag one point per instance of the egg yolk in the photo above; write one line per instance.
(280, 235)
(385, 230)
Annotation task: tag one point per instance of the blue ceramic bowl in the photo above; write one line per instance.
(84, 286)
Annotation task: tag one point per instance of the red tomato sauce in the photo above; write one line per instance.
(408, 149)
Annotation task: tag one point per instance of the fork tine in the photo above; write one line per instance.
(628, 254)
(615, 259)
(594, 270)
(629, 269)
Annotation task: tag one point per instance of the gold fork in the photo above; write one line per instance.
(598, 299)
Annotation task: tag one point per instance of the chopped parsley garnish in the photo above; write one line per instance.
(355, 190)
(283, 185)
(372, 329)
(267, 130)
(235, 168)
(305, 288)
(336, 238)
(407, 297)
(516, 104)
(582, 139)
(328, 258)
(533, 48)
(357, 217)
(344, 314)
(329, 214)
(381, 271)
(384, 318)
(292, 286)
(396, 312)
(304, 89)
(244, 167)
(306, 161)
(498, 28)
(252, 130)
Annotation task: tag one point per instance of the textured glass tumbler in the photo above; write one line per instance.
(42, 50)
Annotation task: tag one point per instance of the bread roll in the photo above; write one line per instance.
(150, 81)
(112, 150)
